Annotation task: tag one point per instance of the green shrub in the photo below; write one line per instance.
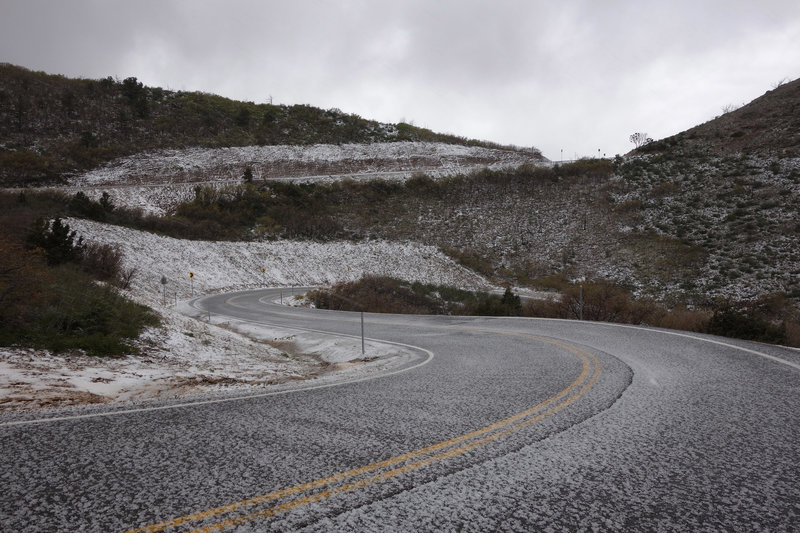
(742, 323)
(79, 314)
(56, 240)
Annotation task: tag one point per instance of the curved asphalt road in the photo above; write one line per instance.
(497, 425)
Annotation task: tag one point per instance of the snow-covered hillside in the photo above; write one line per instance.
(218, 266)
(191, 355)
(212, 164)
(158, 181)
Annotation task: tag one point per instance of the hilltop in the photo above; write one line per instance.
(53, 127)
(767, 127)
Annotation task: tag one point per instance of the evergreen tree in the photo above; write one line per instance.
(511, 302)
(57, 241)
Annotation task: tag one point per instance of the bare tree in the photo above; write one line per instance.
(640, 139)
(729, 108)
(778, 83)
(126, 277)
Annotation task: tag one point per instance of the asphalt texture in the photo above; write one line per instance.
(498, 424)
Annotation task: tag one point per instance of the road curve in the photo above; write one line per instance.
(510, 425)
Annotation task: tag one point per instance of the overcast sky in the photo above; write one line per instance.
(571, 75)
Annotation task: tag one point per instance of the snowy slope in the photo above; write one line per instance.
(212, 164)
(158, 181)
(193, 355)
(220, 266)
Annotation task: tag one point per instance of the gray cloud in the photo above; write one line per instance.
(577, 76)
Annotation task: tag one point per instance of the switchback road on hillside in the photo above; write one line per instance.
(494, 424)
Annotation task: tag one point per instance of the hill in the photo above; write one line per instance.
(706, 219)
(769, 126)
(52, 127)
(708, 213)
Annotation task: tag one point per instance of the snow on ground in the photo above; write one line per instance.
(179, 358)
(158, 181)
(190, 164)
(192, 354)
(225, 266)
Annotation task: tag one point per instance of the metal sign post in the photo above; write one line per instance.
(164, 284)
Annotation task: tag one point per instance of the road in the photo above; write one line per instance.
(498, 424)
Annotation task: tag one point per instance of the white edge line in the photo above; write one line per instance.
(243, 397)
(720, 343)
(675, 333)
(650, 329)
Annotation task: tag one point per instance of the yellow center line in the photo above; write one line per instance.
(432, 449)
(384, 476)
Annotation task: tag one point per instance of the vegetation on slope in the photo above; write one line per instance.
(597, 220)
(57, 292)
(51, 126)
(769, 126)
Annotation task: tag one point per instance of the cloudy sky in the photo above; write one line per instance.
(572, 75)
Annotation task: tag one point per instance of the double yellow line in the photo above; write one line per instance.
(284, 500)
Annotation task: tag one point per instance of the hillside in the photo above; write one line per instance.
(683, 220)
(52, 127)
(705, 219)
(767, 127)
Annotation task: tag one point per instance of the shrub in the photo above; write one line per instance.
(84, 315)
(84, 207)
(103, 261)
(57, 241)
(728, 321)
(792, 333)
(24, 284)
(683, 319)
(379, 294)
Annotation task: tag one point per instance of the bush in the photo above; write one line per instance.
(84, 315)
(683, 319)
(792, 333)
(379, 294)
(741, 324)
(57, 241)
(103, 261)
(71, 312)
(82, 206)
(24, 284)
(47, 297)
